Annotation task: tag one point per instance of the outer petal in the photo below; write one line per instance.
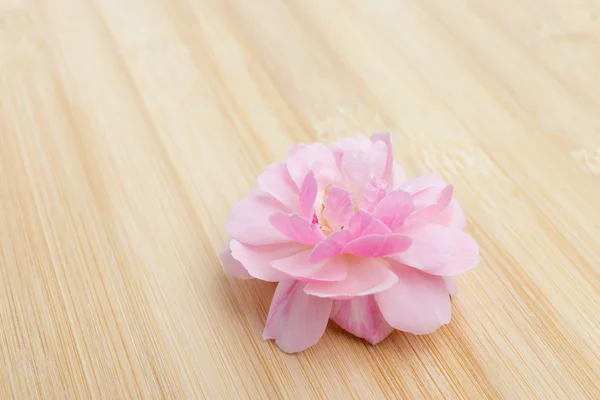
(257, 259)
(388, 171)
(231, 265)
(331, 246)
(338, 207)
(422, 182)
(419, 303)
(298, 266)
(249, 220)
(430, 213)
(308, 194)
(465, 258)
(439, 250)
(361, 317)
(276, 181)
(315, 157)
(365, 276)
(394, 209)
(296, 320)
(399, 176)
(452, 216)
(451, 284)
(362, 223)
(297, 228)
(377, 245)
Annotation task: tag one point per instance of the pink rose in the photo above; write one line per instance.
(348, 238)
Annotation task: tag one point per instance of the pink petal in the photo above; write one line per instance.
(231, 265)
(433, 247)
(308, 194)
(430, 213)
(373, 193)
(419, 303)
(452, 216)
(315, 157)
(362, 223)
(249, 220)
(276, 181)
(361, 317)
(451, 284)
(338, 207)
(377, 245)
(422, 182)
(257, 259)
(331, 246)
(297, 228)
(399, 176)
(394, 209)
(298, 266)
(365, 276)
(465, 258)
(388, 171)
(296, 320)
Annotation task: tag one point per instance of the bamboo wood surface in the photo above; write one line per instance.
(129, 128)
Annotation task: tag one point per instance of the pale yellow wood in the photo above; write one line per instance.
(129, 128)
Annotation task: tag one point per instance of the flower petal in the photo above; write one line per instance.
(257, 259)
(377, 245)
(315, 157)
(276, 181)
(452, 216)
(365, 276)
(362, 223)
(394, 209)
(338, 207)
(388, 171)
(231, 265)
(296, 320)
(419, 303)
(451, 284)
(399, 176)
(331, 246)
(249, 220)
(431, 212)
(373, 193)
(297, 228)
(298, 266)
(465, 258)
(433, 247)
(361, 317)
(308, 194)
(422, 182)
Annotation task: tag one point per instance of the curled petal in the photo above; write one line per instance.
(431, 212)
(418, 303)
(257, 259)
(399, 176)
(451, 284)
(331, 246)
(308, 194)
(297, 228)
(362, 223)
(361, 317)
(365, 276)
(377, 245)
(373, 193)
(452, 216)
(394, 209)
(338, 207)
(422, 182)
(276, 181)
(296, 320)
(298, 266)
(231, 265)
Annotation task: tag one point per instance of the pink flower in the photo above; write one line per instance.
(348, 238)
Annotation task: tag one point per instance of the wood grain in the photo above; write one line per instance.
(129, 128)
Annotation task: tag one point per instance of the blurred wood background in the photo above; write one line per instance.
(128, 129)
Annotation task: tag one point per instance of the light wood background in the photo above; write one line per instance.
(128, 129)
